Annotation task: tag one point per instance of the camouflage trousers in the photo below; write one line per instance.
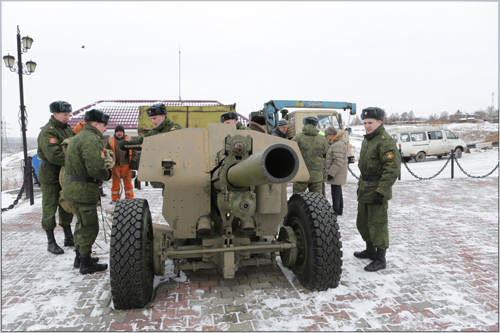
(87, 226)
(300, 187)
(50, 205)
(372, 224)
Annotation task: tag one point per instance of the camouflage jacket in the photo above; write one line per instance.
(379, 157)
(85, 158)
(49, 149)
(166, 126)
(122, 157)
(313, 148)
(240, 126)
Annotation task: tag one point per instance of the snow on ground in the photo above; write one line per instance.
(12, 170)
(410, 267)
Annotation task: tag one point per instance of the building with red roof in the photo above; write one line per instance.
(126, 112)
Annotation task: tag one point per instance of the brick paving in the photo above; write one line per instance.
(442, 274)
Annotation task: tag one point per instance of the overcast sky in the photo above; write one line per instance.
(427, 57)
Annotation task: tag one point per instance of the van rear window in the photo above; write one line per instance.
(418, 136)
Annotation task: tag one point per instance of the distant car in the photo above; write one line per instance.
(419, 142)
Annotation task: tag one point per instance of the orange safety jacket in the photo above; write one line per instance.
(111, 141)
(78, 127)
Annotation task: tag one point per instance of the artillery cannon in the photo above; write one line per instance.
(225, 201)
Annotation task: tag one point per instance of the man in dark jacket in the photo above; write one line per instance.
(313, 148)
(122, 165)
(258, 123)
(380, 164)
(158, 115)
(85, 169)
(52, 156)
(280, 130)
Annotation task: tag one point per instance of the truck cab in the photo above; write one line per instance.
(296, 111)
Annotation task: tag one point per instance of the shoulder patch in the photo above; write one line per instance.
(172, 129)
(389, 155)
(102, 154)
(52, 140)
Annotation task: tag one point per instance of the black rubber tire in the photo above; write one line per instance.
(440, 157)
(131, 255)
(458, 152)
(420, 157)
(319, 259)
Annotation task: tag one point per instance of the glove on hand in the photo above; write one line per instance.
(329, 177)
(122, 145)
(378, 198)
(109, 159)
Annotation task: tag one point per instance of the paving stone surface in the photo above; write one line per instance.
(442, 274)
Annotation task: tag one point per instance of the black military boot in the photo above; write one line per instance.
(378, 263)
(68, 236)
(369, 253)
(88, 267)
(76, 263)
(52, 247)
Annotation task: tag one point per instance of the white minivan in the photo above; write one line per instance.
(419, 142)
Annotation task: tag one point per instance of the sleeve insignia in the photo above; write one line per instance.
(389, 155)
(52, 140)
(172, 129)
(102, 154)
(390, 163)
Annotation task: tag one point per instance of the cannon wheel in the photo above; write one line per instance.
(319, 259)
(131, 255)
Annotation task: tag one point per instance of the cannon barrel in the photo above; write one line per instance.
(277, 163)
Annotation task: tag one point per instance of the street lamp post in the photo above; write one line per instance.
(23, 69)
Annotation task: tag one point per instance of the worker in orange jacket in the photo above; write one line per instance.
(122, 165)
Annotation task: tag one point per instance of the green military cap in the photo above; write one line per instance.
(310, 120)
(157, 109)
(60, 107)
(96, 115)
(228, 115)
(373, 112)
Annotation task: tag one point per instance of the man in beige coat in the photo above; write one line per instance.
(336, 166)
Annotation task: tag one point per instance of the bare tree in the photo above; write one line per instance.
(411, 115)
(444, 116)
(481, 114)
(492, 111)
(404, 116)
(357, 121)
(433, 117)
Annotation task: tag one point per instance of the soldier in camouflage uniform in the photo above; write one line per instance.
(85, 170)
(313, 148)
(380, 164)
(158, 115)
(52, 156)
(231, 117)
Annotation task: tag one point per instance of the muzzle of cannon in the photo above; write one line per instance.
(277, 163)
